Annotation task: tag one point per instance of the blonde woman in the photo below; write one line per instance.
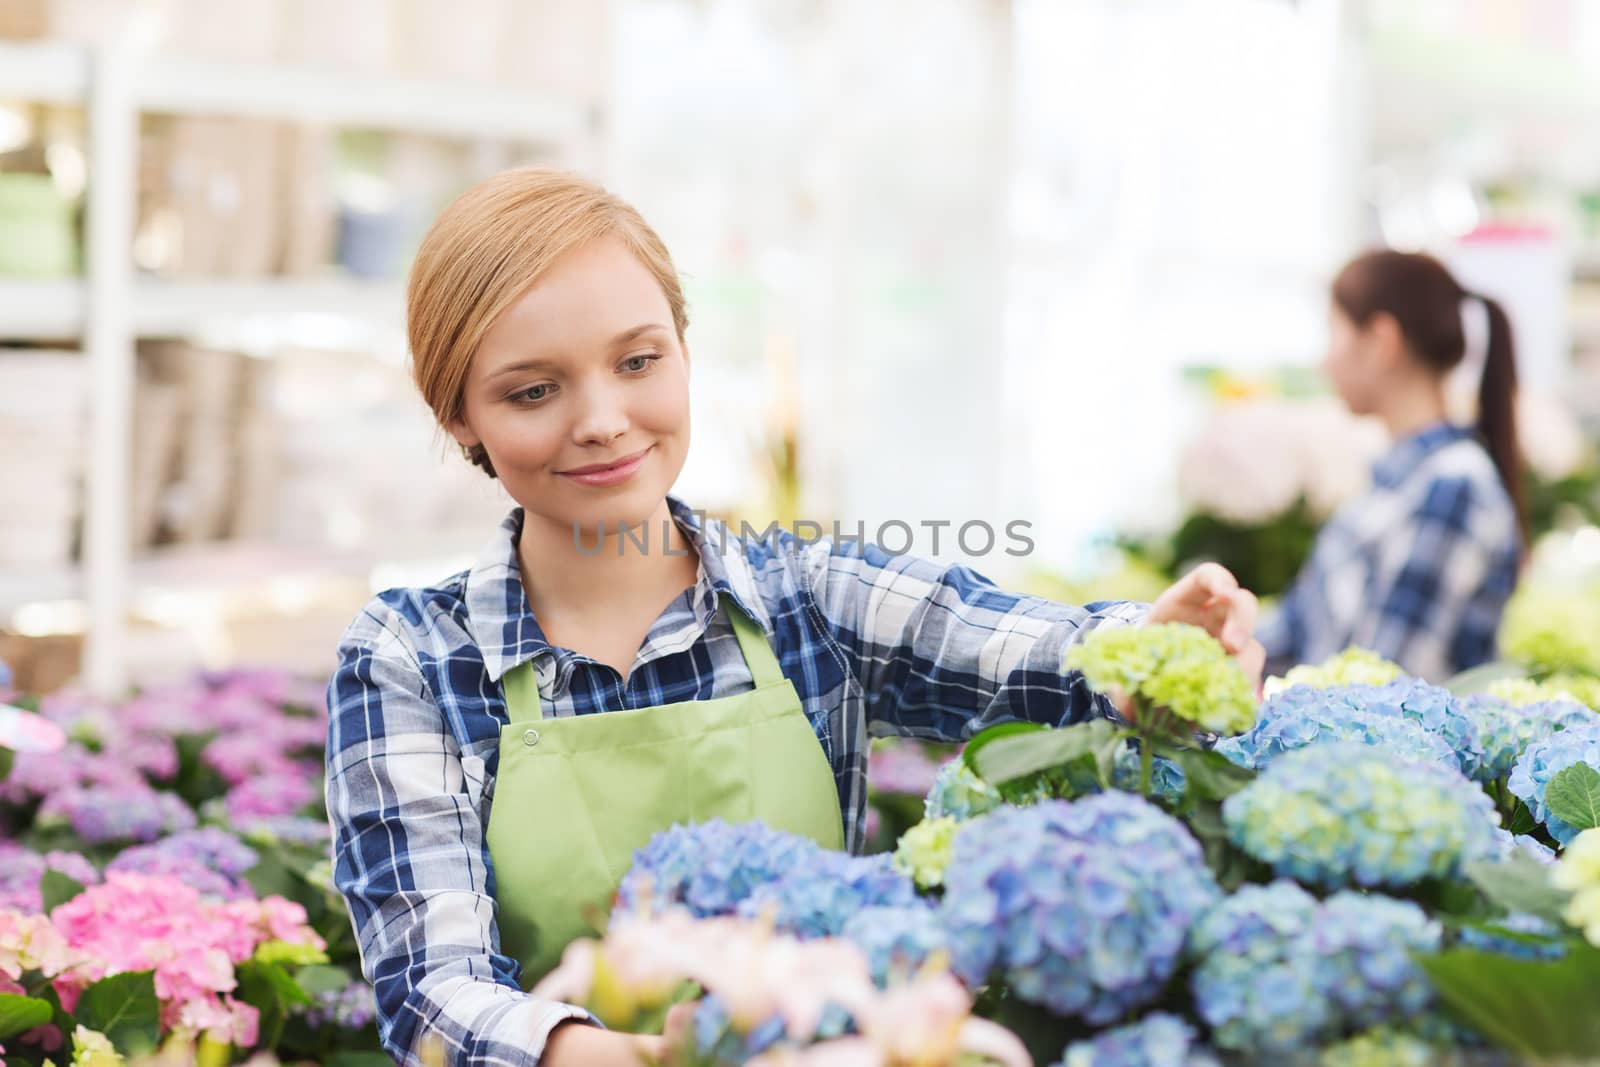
(502, 741)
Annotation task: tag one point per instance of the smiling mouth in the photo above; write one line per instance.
(604, 468)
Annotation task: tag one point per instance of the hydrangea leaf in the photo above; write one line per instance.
(1519, 885)
(322, 978)
(1210, 775)
(1020, 754)
(1574, 796)
(19, 1013)
(1479, 679)
(1537, 1009)
(57, 888)
(124, 1008)
(985, 738)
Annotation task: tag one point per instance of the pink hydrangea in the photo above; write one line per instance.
(31, 943)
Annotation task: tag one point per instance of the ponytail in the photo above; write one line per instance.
(1497, 408)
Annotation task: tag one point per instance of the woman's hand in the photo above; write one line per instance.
(576, 1044)
(1210, 597)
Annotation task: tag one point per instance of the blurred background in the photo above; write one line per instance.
(1055, 261)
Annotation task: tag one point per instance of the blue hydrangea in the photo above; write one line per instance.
(1166, 777)
(1405, 717)
(817, 898)
(1157, 1040)
(749, 869)
(1542, 761)
(1081, 906)
(1505, 730)
(958, 793)
(719, 1042)
(897, 941)
(1382, 1047)
(711, 867)
(1279, 970)
(1548, 946)
(209, 860)
(1348, 814)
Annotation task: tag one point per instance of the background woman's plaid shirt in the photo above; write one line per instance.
(875, 644)
(1418, 570)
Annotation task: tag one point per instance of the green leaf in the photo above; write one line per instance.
(1022, 753)
(1574, 796)
(7, 758)
(19, 1014)
(125, 1009)
(1534, 1009)
(321, 978)
(271, 876)
(1208, 774)
(1522, 820)
(1479, 679)
(1520, 884)
(969, 755)
(57, 888)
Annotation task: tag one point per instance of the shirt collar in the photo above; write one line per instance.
(503, 625)
(1407, 454)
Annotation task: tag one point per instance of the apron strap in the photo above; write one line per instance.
(521, 684)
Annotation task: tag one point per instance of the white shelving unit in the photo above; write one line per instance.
(110, 307)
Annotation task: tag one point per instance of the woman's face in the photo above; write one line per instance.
(1353, 363)
(579, 392)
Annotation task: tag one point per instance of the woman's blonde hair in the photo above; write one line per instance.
(495, 240)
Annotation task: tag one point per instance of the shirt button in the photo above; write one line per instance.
(530, 737)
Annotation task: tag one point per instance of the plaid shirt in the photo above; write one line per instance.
(1418, 570)
(875, 645)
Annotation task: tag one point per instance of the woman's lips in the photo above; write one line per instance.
(615, 474)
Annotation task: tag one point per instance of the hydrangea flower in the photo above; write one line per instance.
(108, 814)
(818, 898)
(1353, 666)
(1080, 906)
(1345, 712)
(1548, 948)
(1279, 970)
(352, 1008)
(958, 793)
(1578, 873)
(1338, 815)
(924, 851)
(22, 870)
(283, 788)
(1166, 777)
(899, 765)
(715, 869)
(1173, 666)
(1320, 723)
(1542, 761)
(1550, 628)
(1381, 1046)
(1157, 1040)
(1505, 729)
(287, 829)
(897, 941)
(211, 861)
(1584, 688)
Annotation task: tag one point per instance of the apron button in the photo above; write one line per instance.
(530, 737)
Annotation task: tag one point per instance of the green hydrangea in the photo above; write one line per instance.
(924, 851)
(1552, 629)
(1380, 1047)
(1353, 666)
(289, 954)
(1520, 692)
(1171, 666)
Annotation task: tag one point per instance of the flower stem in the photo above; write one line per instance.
(1147, 758)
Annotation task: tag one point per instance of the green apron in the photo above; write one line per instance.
(574, 797)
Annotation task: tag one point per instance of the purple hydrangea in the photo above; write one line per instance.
(109, 814)
(1279, 970)
(284, 788)
(210, 860)
(1157, 1040)
(37, 775)
(1506, 730)
(896, 941)
(1083, 906)
(817, 899)
(352, 1008)
(22, 870)
(1303, 716)
(1542, 761)
(288, 829)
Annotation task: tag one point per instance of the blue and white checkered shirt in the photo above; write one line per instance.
(1418, 569)
(875, 644)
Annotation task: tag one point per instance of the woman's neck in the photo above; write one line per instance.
(582, 577)
(1413, 407)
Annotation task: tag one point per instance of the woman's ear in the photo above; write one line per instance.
(1386, 341)
(463, 434)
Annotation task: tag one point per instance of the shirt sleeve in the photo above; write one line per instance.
(411, 862)
(1283, 633)
(1426, 576)
(941, 652)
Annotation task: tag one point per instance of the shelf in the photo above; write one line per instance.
(55, 73)
(52, 309)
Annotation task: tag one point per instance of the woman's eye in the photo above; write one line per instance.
(636, 364)
(533, 394)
